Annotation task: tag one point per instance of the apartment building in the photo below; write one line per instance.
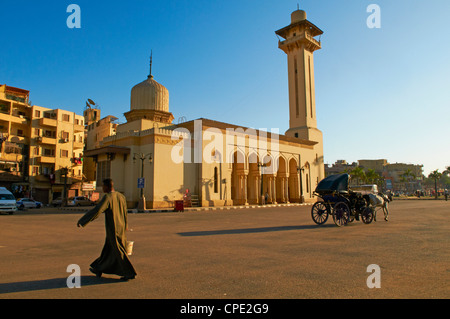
(42, 148)
(96, 130)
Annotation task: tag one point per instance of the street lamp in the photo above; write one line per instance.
(142, 157)
(260, 165)
(300, 170)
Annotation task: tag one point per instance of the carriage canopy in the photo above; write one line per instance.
(333, 183)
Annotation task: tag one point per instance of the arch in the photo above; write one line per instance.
(253, 179)
(235, 156)
(238, 178)
(253, 157)
(282, 181)
(294, 181)
(268, 178)
(271, 164)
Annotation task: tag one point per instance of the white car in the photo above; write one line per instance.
(28, 203)
(7, 201)
(366, 189)
(79, 201)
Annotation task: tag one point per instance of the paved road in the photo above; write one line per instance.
(246, 253)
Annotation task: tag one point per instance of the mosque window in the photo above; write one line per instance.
(307, 183)
(216, 180)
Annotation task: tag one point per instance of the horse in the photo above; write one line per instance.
(379, 201)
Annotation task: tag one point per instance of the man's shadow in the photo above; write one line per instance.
(56, 283)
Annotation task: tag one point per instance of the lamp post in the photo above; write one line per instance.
(64, 172)
(300, 170)
(142, 157)
(261, 166)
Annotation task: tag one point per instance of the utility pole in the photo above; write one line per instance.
(64, 171)
(142, 157)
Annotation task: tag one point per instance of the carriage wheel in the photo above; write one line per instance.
(341, 214)
(367, 215)
(319, 213)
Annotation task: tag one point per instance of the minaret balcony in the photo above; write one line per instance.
(303, 40)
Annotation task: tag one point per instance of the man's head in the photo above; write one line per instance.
(108, 185)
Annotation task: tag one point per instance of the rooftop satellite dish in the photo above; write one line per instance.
(88, 105)
(91, 102)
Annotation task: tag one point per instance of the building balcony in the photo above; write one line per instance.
(48, 122)
(12, 151)
(5, 107)
(46, 159)
(78, 145)
(19, 119)
(46, 140)
(76, 179)
(77, 161)
(12, 158)
(78, 128)
(5, 116)
(42, 178)
(19, 139)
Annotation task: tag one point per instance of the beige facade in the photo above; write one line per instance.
(220, 164)
(43, 143)
(379, 166)
(96, 130)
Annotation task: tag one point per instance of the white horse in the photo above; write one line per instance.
(378, 202)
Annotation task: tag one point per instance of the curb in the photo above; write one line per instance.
(198, 209)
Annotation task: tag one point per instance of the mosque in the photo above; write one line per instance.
(155, 162)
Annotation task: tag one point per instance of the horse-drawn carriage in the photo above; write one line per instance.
(342, 203)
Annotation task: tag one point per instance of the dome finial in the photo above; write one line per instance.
(151, 62)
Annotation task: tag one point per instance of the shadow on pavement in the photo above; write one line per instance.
(251, 230)
(56, 283)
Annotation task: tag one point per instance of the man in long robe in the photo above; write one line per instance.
(113, 259)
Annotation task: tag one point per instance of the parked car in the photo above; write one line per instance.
(366, 189)
(57, 202)
(22, 203)
(7, 201)
(79, 201)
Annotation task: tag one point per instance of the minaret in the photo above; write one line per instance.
(299, 44)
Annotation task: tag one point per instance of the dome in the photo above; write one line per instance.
(298, 15)
(150, 95)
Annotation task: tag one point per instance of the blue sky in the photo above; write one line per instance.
(380, 93)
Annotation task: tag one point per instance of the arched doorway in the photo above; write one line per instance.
(294, 182)
(238, 179)
(253, 180)
(282, 181)
(269, 171)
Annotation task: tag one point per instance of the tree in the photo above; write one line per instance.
(358, 174)
(372, 177)
(435, 175)
(407, 177)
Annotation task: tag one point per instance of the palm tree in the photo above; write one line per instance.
(446, 171)
(371, 176)
(358, 174)
(407, 177)
(435, 175)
